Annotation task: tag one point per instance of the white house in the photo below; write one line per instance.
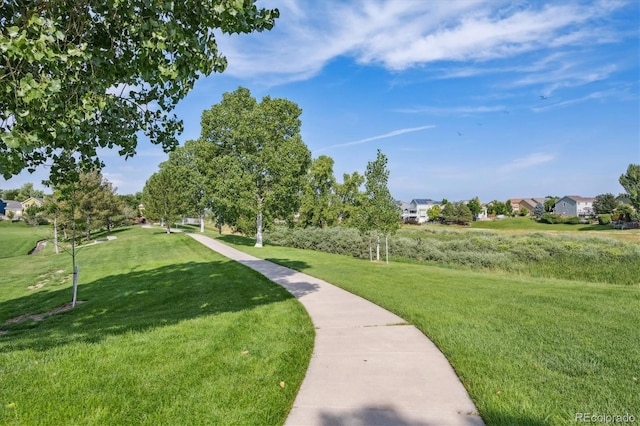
(574, 205)
(418, 208)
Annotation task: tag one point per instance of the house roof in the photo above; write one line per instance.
(578, 198)
(38, 199)
(13, 205)
(424, 201)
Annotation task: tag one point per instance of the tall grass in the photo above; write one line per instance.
(584, 258)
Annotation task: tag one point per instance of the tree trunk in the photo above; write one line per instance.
(55, 234)
(219, 224)
(259, 230)
(370, 250)
(377, 248)
(168, 227)
(202, 222)
(386, 246)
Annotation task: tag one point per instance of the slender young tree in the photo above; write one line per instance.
(380, 212)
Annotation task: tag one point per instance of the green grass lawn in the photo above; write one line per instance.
(530, 351)
(18, 238)
(168, 332)
(529, 224)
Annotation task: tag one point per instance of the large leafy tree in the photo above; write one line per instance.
(82, 75)
(456, 213)
(166, 196)
(630, 181)
(319, 198)
(25, 191)
(349, 197)
(261, 143)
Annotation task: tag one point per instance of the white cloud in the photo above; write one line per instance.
(404, 34)
(378, 137)
(529, 161)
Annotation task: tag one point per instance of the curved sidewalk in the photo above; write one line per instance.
(369, 367)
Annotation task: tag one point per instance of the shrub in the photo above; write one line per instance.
(573, 220)
(550, 218)
(604, 219)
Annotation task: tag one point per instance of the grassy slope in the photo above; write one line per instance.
(528, 224)
(169, 333)
(17, 238)
(530, 351)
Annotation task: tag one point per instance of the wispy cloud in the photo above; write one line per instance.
(620, 95)
(378, 137)
(399, 35)
(456, 110)
(529, 161)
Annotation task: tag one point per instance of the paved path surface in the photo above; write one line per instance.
(369, 367)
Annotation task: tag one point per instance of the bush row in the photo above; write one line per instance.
(567, 257)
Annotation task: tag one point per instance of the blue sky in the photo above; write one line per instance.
(495, 99)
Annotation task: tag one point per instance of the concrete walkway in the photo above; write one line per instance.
(369, 367)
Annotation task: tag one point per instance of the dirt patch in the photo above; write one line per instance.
(39, 317)
(46, 278)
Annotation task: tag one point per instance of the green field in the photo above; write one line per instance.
(167, 332)
(530, 351)
(17, 238)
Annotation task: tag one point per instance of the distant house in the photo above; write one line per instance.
(32, 201)
(417, 211)
(10, 208)
(574, 205)
(405, 207)
(518, 204)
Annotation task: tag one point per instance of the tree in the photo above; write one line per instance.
(456, 213)
(475, 206)
(508, 208)
(379, 212)
(605, 204)
(550, 203)
(83, 75)
(349, 197)
(318, 206)
(262, 142)
(538, 210)
(630, 181)
(165, 196)
(23, 193)
(434, 212)
(497, 208)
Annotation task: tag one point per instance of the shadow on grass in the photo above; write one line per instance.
(138, 301)
(238, 240)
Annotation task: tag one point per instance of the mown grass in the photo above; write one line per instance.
(168, 333)
(18, 238)
(530, 351)
(529, 223)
